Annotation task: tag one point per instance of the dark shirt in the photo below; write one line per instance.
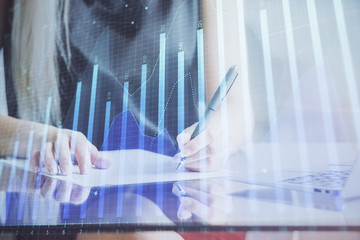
(120, 37)
(6, 42)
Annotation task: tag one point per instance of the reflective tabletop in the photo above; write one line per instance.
(214, 201)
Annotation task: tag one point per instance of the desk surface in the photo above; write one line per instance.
(209, 202)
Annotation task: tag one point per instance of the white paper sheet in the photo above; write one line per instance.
(130, 167)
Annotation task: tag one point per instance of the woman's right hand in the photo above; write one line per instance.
(61, 149)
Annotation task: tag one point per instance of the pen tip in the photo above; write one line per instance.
(178, 166)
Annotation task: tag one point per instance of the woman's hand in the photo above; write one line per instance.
(61, 191)
(56, 149)
(224, 134)
(61, 146)
(204, 152)
(206, 200)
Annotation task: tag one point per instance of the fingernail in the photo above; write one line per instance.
(102, 163)
(183, 213)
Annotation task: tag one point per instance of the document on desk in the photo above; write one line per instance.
(129, 167)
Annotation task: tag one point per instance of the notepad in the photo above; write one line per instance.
(129, 167)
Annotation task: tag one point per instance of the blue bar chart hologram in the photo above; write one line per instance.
(181, 92)
(25, 177)
(270, 92)
(161, 114)
(10, 184)
(323, 87)
(161, 101)
(42, 155)
(92, 103)
(201, 71)
(139, 189)
(105, 147)
(119, 207)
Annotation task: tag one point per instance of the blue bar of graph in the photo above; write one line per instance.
(91, 122)
(139, 189)
(124, 115)
(161, 114)
(299, 118)
(161, 106)
(75, 118)
(73, 139)
(57, 152)
(77, 106)
(42, 153)
(181, 95)
(105, 147)
(270, 92)
(107, 124)
(25, 177)
(122, 146)
(201, 71)
(322, 82)
(12, 172)
(92, 103)
(142, 105)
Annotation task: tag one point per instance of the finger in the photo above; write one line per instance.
(178, 190)
(183, 213)
(49, 159)
(93, 152)
(102, 161)
(31, 183)
(205, 138)
(48, 188)
(210, 150)
(63, 192)
(65, 164)
(209, 214)
(184, 136)
(193, 193)
(99, 159)
(34, 161)
(211, 163)
(82, 154)
(215, 201)
(79, 194)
